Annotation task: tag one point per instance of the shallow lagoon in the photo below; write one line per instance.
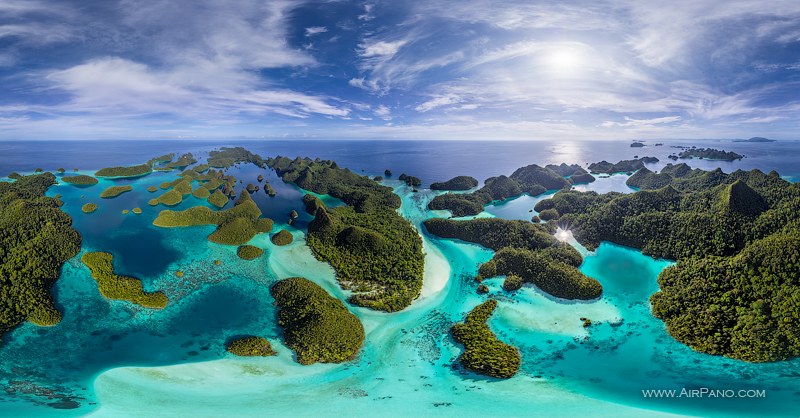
(112, 358)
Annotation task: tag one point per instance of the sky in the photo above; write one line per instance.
(428, 69)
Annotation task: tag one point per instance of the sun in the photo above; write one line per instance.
(564, 60)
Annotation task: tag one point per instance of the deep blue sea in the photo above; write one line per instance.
(111, 358)
(429, 160)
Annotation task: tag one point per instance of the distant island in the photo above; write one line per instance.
(710, 154)
(623, 166)
(637, 145)
(755, 139)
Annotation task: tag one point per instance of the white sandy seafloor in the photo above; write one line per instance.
(405, 367)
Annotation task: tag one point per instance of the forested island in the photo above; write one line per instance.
(316, 326)
(115, 191)
(624, 166)
(735, 237)
(80, 180)
(525, 252)
(456, 183)
(36, 238)
(113, 286)
(375, 251)
(755, 139)
(122, 172)
(250, 347)
(483, 352)
(533, 180)
(710, 154)
(235, 226)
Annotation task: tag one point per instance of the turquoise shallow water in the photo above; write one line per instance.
(110, 358)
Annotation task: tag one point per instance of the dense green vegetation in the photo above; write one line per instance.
(80, 180)
(746, 306)
(410, 181)
(283, 237)
(235, 226)
(728, 292)
(250, 347)
(623, 166)
(575, 172)
(269, 190)
(152, 189)
(137, 211)
(582, 178)
(525, 251)
(161, 159)
(132, 171)
(493, 233)
(456, 183)
(183, 187)
(89, 208)
(115, 191)
(36, 238)
(312, 203)
(113, 286)
(550, 270)
(218, 199)
(249, 252)
(533, 180)
(483, 352)
(648, 180)
(710, 154)
(375, 252)
(512, 282)
(182, 162)
(701, 213)
(316, 326)
(226, 157)
(170, 198)
(326, 177)
(201, 193)
(565, 170)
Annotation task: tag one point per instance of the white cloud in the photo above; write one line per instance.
(201, 70)
(436, 102)
(367, 15)
(383, 112)
(631, 122)
(133, 89)
(515, 15)
(247, 34)
(665, 33)
(315, 30)
(380, 48)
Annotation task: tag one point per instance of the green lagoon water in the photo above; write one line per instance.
(111, 358)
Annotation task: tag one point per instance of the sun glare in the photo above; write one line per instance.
(563, 235)
(563, 60)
